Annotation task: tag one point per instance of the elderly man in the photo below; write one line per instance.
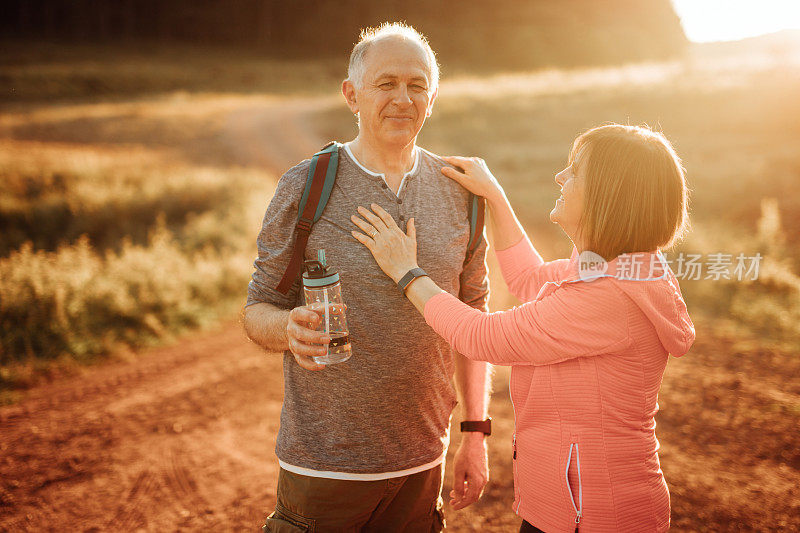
(362, 443)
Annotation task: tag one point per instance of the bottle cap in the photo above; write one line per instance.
(317, 273)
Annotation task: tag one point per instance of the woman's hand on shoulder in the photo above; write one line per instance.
(473, 174)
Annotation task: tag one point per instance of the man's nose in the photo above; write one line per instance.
(560, 177)
(401, 96)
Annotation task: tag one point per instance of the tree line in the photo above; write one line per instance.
(500, 33)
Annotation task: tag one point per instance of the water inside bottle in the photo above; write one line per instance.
(338, 349)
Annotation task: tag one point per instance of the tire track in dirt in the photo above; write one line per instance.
(184, 488)
(129, 517)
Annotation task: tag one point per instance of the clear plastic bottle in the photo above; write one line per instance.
(323, 293)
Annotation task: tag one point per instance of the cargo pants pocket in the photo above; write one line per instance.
(434, 522)
(284, 521)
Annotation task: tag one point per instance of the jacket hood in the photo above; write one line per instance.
(645, 277)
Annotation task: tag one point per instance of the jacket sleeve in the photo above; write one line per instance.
(275, 242)
(577, 320)
(524, 271)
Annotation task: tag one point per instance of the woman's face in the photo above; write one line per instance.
(569, 206)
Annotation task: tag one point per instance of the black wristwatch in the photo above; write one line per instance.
(480, 426)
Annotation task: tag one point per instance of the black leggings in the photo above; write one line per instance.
(527, 528)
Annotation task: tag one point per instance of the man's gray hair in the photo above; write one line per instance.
(357, 69)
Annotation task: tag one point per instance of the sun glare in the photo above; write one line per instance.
(729, 20)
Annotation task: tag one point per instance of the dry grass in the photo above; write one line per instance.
(54, 193)
(114, 245)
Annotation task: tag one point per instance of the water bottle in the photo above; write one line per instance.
(323, 293)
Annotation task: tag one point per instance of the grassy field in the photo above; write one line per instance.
(129, 214)
(115, 243)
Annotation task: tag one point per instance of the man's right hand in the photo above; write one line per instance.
(305, 342)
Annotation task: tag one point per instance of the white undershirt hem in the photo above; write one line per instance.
(360, 477)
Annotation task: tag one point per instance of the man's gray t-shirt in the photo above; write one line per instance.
(388, 407)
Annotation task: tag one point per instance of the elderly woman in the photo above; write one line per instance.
(589, 345)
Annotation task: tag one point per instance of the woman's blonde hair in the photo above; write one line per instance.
(635, 195)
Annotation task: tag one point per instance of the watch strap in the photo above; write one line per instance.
(410, 276)
(480, 426)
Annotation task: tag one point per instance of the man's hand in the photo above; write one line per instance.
(305, 342)
(471, 469)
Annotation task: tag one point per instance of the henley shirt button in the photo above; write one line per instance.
(384, 185)
(399, 201)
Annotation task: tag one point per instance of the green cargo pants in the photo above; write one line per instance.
(320, 505)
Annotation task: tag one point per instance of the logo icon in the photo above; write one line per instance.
(591, 266)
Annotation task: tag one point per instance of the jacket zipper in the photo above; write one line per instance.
(514, 446)
(516, 481)
(578, 508)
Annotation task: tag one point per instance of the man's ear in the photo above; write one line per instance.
(349, 92)
(429, 111)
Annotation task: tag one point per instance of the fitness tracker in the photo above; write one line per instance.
(410, 276)
(480, 426)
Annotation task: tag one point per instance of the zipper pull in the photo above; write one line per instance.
(515, 446)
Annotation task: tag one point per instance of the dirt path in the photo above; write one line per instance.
(181, 439)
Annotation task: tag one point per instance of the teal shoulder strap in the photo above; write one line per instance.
(477, 208)
(316, 194)
(330, 177)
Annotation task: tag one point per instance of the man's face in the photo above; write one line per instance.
(396, 96)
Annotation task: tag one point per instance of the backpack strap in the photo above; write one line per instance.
(317, 192)
(477, 211)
